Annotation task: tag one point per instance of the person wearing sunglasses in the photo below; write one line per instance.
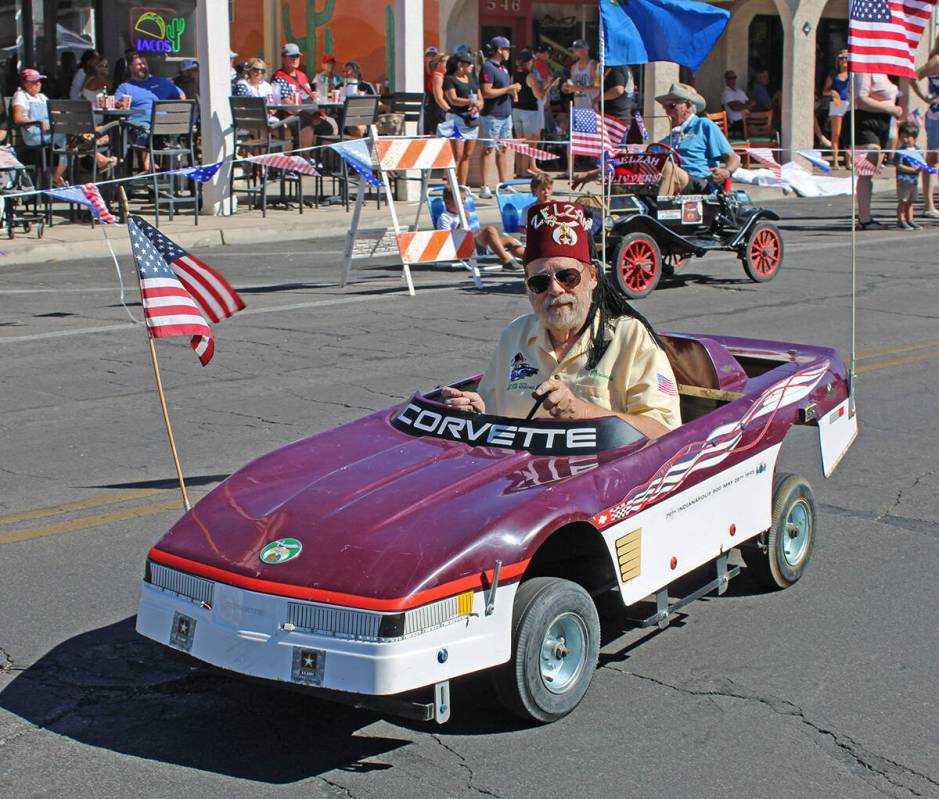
(289, 79)
(584, 352)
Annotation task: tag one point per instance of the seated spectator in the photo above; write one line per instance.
(542, 186)
(326, 79)
(143, 88)
(506, 248)
(29, 104)
(734, 102)
(81, 75)
(759, 92)
(352, 82)
(290, 79)
(97, 81)
(188, 78)
(253, 84)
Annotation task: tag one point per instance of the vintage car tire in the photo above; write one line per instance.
(673, 263)
(637, 265)
(791, 539)
(762, 254)
(539, 683)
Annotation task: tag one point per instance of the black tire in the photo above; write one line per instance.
(791, 539)
(543, 604)
(762, 253)
(637, 265)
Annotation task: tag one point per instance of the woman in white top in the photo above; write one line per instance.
(583, 83)
(30, 105)
(97, 81)
(253, 83)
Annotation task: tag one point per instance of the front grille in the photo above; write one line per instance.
(339, 622)
(429, 616)
(195, 588)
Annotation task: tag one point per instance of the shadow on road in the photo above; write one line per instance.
(166, 482)
(114, 689)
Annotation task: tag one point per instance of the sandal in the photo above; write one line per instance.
(932, 213)
(871, 224)
(60, 183)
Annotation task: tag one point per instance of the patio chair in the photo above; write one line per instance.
(758, 129)
(740, 145)
(253, 133)
(36, 159)
(170, 145)
(357, 111)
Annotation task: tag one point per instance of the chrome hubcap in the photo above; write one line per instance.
(796, 534)
(563, 652)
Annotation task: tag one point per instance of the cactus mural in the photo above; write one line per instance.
(314, 19)
(390, 46)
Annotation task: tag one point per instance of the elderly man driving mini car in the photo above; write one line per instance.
(584, 352)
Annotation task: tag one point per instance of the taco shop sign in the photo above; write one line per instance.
(157, 30)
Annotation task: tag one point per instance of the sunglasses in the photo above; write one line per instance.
(671, 106)
(292, 56)
(255, 69)
(566, 278)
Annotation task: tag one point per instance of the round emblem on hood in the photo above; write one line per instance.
(281, 550)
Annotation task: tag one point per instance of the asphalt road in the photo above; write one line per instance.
(826, 689)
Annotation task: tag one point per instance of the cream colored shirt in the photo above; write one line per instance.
(633, 376)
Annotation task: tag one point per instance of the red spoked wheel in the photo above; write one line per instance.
(673, 262)
(763, 252)
(638, 265)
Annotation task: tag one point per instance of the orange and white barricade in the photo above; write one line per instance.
(414, 246)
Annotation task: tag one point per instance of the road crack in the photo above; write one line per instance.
(897, 774)
(463, 764)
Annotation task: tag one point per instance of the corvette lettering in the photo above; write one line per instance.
(459, 428)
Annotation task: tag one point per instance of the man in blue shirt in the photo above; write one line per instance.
(707, 159)
(498, 91)
(143, 88)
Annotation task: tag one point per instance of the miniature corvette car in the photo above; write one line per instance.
(375, 562)
(650, 237)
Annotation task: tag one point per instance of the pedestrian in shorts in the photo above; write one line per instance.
(907, 176)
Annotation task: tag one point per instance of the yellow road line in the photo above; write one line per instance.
(87, 522)
(922, 345)
(923, 356)
(82, 504)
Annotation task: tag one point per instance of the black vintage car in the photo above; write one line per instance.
(649, 236)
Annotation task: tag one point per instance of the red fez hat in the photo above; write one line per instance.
(558, 228)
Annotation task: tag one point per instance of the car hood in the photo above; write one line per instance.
(380, 513)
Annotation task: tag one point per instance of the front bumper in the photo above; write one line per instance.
(249, 633)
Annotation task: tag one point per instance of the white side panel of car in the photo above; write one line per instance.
(695, 526)
(837, 430)
(242, 632)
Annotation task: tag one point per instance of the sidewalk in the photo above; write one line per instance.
(66, 241)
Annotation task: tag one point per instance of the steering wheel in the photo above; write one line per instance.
(662, 147)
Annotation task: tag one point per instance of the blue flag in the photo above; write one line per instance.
(203, 173)
(639, 31)
(356, 154)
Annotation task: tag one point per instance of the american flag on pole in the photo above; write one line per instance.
(883, 35)
(863, 166)
(586, 135)
(214, 295)
(168, 308)
(764, 155)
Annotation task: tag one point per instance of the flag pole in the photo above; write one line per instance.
(156, 373)
(853, 236)
(603, 154)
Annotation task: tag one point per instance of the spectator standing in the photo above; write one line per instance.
(326, 79)
(430, 54)
(81, 75)
(735, 103)
(498, 92)
(542, 71)
(143, 88)
(836, 88)
(930, 71)
(907, 176)
(29, 104)
(618, 93)
(526, 117)
(582, 84)
(462, 95)
(289, 79)
(435, 104)
(875, 98)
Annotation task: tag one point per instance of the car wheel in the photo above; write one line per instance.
(763, 252)
(791, 539)
(638, 265)
(555, 646)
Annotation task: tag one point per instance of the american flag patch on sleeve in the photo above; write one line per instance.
(666, 385)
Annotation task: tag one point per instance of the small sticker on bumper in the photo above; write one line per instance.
(182, 632)
(309, 666)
